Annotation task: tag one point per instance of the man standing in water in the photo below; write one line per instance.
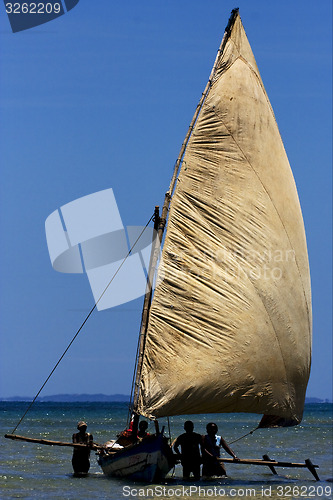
(211, 444)
(189, 443)
(80, 460)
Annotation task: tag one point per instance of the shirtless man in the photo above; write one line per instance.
(190, 444)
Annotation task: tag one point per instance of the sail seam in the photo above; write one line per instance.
(213, 110)
(258, 78)
(206, 224)
(241, 267)
(252, 69)
(259, 81)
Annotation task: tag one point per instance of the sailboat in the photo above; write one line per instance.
(228, 326)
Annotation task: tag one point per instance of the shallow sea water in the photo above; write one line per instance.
(29, 470)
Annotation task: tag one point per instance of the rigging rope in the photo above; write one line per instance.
(82, 325)
(130, 404)
(169, 428)
(247, 434)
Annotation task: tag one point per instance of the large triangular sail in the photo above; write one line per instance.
(230, 321)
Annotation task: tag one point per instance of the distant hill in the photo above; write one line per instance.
(317, 400)
(103, 398)
(75, 398)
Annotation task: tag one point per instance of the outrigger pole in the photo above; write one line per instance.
(15, 437)
(273, 463)
(267, 462)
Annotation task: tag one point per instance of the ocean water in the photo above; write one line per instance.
(29, 470)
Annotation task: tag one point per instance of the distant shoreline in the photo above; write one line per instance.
(103, 398)
(74, 398)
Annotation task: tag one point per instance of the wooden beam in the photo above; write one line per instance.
(52, 443)
(274, 463)
(266, 457)
(267, 463)
(312, 469)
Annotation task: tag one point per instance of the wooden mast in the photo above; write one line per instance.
(145, 311)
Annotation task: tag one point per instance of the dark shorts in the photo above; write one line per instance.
(81, 464)
(191, 466)
(213, 468)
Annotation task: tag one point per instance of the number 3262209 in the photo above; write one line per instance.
(33, 8)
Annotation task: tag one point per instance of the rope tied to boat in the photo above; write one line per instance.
(82, 325)
(242, 437)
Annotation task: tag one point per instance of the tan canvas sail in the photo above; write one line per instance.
(230, 322)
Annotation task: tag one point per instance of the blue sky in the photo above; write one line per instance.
(102, 97)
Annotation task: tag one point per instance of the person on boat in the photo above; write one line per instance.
(211, 444)
(129, 436)
(80, 460)
(190, 444)
(142, 432)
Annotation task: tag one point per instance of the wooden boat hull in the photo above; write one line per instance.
(149, 461)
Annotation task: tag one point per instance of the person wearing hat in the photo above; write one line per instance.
(80, 460)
